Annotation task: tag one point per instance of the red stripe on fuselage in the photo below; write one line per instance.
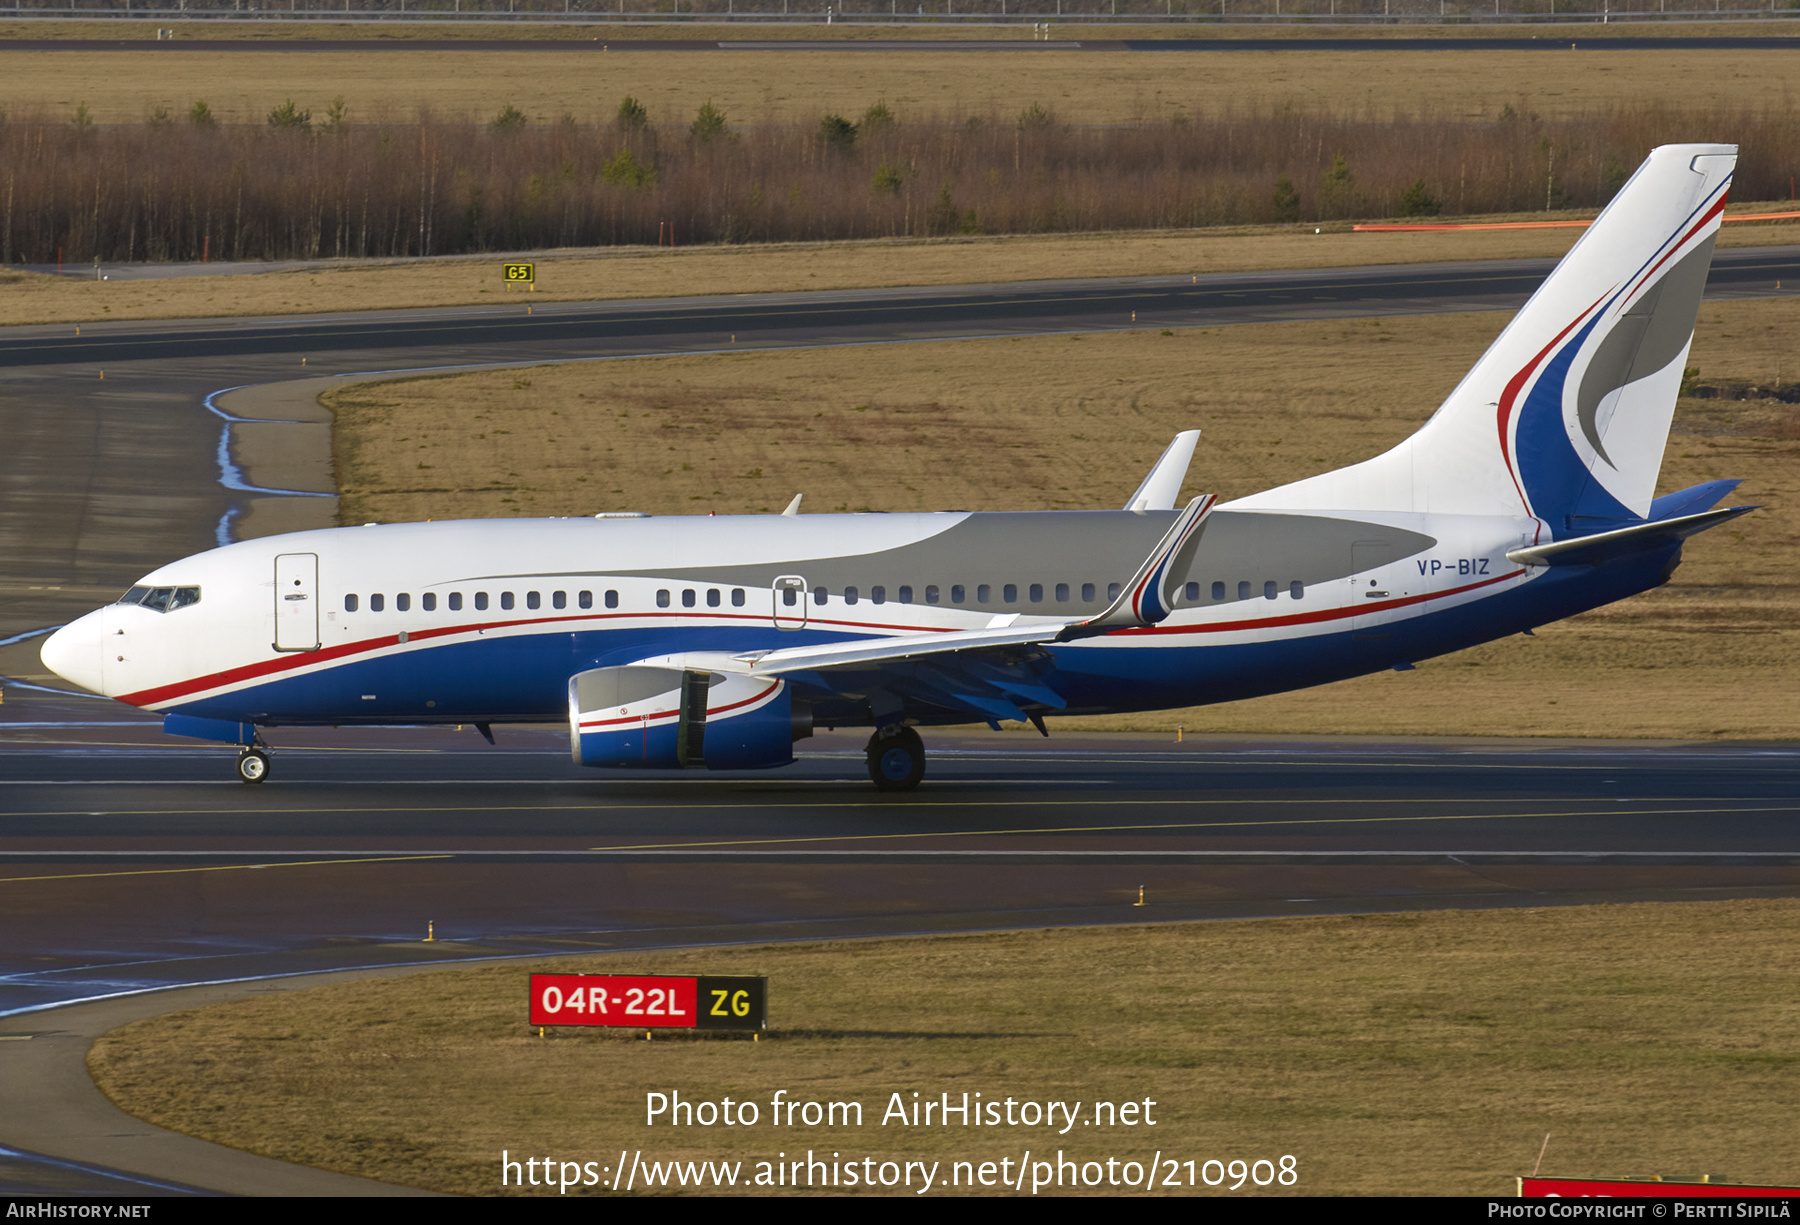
(271, 667)
(289, 662)
(1324, 614)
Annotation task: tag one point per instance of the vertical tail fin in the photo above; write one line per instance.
(1565, 417)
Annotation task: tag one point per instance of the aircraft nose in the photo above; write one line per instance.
(73, 652)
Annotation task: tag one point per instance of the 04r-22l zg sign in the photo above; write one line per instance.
(650, 1001)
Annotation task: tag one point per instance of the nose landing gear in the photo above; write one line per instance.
(253, 764)
(896, 759)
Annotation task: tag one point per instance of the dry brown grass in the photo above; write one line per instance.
(763, 87)
(1062, 422)
(1676, 664)
(1422, 1054)
(638, 272)
(266, 28)
(1716, 654)
(1027, 423)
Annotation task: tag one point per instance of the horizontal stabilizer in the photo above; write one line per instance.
(1606, 546)
(1691, 501)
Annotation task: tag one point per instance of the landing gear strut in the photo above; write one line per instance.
(253, 764)
(896, 760)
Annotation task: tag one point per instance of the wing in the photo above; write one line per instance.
(986, 672)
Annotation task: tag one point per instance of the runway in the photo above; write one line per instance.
(589, 329)
(363, 838)
(134, 864)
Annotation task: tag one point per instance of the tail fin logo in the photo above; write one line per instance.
(1565, 417)
(1588, 436)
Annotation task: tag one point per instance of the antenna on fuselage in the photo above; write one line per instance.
(793, 508)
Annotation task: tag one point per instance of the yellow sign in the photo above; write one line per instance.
(520, 274)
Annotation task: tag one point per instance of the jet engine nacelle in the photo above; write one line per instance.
(667, 718)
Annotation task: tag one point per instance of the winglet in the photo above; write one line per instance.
(793, 508)
(1149, 597)
(1163, 485)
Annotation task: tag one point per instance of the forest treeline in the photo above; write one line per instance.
(180, 187)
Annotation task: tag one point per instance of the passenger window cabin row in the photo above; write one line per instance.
(1035, 593)
(714, 597)
(428, 602)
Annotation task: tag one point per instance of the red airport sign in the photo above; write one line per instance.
(1621, 1188)
(650, 1001)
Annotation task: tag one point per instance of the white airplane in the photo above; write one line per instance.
(720, 641)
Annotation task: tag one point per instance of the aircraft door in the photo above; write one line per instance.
(790, 602)
(297, 602)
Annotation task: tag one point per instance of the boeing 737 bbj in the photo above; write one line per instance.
(682, 642)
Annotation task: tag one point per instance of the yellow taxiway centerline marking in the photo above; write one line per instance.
(1047, 802)
(1225, 757)
(971, 833)
(1097, 829)
(222, 867)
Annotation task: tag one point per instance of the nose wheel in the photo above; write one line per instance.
(897, 760)
(253, 765)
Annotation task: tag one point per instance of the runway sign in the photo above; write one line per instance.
(520, 274)
(650, 1001)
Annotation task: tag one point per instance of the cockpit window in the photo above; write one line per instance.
(162, 599)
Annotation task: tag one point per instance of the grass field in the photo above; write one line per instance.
(765, 87)
(1418, 1054)
(647, 272)
(807, 27)
(1067, 422)
(644, 272)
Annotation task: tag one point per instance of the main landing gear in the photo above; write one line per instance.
(253, 764)
(896, 759)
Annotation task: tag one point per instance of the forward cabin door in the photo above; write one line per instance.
(297, 602)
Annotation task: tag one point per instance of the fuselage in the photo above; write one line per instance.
(485, 621)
